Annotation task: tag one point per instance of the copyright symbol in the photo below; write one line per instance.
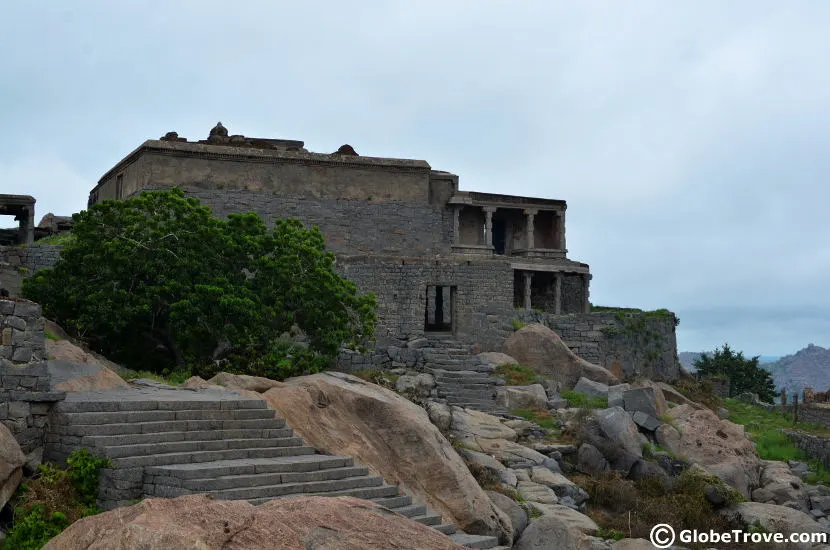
(662, 535)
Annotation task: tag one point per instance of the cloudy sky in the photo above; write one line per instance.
(690, 139)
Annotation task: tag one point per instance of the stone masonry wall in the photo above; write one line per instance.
(816, 447)
(350, 226)
(25, 403)
(627, 344)
(19, 262)
(21, 332)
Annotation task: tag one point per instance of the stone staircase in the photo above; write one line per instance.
(462, 379)
(167, 443)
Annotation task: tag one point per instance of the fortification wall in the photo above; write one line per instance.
(627, 344)
(19, 262)
(816, 447)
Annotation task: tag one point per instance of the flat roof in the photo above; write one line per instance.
(505, 201)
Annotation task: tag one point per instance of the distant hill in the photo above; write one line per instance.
(688, 358)
(807, 367)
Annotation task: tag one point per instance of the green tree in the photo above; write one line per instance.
(157, 282)
(745, 375)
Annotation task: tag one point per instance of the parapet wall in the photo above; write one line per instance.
(628, 344)
(25, 402)
(21, 332)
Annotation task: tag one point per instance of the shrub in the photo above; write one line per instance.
(580, 400)
(53, 499)
(745, 375)
(518, 324)
(538, 416)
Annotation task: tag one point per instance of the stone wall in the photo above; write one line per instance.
(350, 226)
(481, 295)
(19, 262)
(816, 447)
(21, 331)
(25, 403)
(812, 414)
(628, 344)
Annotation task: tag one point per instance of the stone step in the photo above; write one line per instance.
(446, 528)
(121, 417)
(461, 392)
(274, 491)
(475, 541)
(197, 435)
(160, 405)
(428, 519)
(366, 493)
(224, 483)
(125, 428)
(210, 456)
(411, 510)
(480, 369)
(148, 449)
(248, 466)
(393, 503)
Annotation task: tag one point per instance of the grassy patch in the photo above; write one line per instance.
(59, 240)
(538, 416)
(580, 400)
(699, 391)
(51, 335)
(632, 508)
(764, 429)
(379, 377)
(516, 375)
(173, 378)
(518, 324)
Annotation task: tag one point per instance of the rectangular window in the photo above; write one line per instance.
(119, 186)
(439, 315)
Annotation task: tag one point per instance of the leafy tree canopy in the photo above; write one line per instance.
(745, 375)
(156, 282)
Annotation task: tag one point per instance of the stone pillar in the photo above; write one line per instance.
(586, 306)
(530, 213)
(27, 225)
(561, 221)
(557, 293)
(528, 277)
(488, 224)
(456, 213)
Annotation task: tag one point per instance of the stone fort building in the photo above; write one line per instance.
(440, 260)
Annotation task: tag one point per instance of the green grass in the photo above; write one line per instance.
(51, 335)
(516, 375)
(543, 418)
(580, 400)
(518, 324)
(59, 240)
(764, 429)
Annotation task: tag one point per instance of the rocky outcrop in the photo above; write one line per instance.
(342, 523)
(780, 486)
(518, 517)
(11, 465)
(69, 350)
(541, 349)
(82, 377)
(719, 446)
(522, 397)
(244, 382)
(496, 359)
(394, 438)
(774, 518)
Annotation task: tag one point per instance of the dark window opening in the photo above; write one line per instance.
(499, 236)
(119, 186)
(440, 309)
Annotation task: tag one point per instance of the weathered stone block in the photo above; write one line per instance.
(22, 355)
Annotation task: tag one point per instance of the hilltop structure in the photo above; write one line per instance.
(438, 258)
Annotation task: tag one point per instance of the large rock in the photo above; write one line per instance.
(619, 428)
(469, 425)
(719, 446)
(551, 532)
(576, 521)
(615, 394)
(505, 475)
(541, 349)
(616, 437)
(673, 396)
(517, 515)
(76, 377)
(522, 397)
(199, 522)
(590, 461)
(393, 437)
(419, 384)
(11, 465)
(780, 486)
(68, 350)
(244, 382)
(496, 359)
(591, 388)
(644, 400)
(775, 518)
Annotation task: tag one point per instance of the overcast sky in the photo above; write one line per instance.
(690, 139)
